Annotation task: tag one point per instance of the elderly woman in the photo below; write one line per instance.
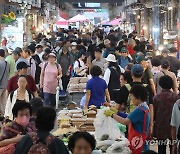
(14, 131)
(96, 89)
(21, 94)
(50, 73)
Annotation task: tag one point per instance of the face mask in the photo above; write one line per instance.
(23, 121)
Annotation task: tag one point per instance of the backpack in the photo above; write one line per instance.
(47, 64)
(39, 146)
(119, 60)
(130, 105)
(73, 71)
(29, 93)
(38, 68)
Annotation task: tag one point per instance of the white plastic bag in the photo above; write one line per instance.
(120, 147)
(106, 126)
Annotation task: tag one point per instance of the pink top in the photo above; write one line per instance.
(50, 81)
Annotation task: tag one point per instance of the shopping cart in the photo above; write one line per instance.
(60, 94)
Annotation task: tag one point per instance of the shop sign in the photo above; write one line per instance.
(100, 10)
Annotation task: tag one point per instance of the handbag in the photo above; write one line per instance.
(3, 72)
(9, 149)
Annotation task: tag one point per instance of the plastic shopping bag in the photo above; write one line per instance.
(120, 147)
(105, 127)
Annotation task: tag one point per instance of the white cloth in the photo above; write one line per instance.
(108, 73)
(10, 105)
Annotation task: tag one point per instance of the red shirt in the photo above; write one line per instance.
(12, 84)
(130, 50)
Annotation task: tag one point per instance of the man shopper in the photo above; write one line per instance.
(4, 74)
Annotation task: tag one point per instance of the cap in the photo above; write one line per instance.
(165, 50)
(124, 49)
(52, 54)
(38, 46)
(74, 44)
(17, 51)
(140, 58)
(137, 69)
(111, 58)
(21, 65)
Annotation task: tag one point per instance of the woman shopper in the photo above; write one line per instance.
(163, 105)
(138, 120)
(112, 76)
(44, 123)
(51, 72)
(21, 94)
(82, 143)
(14, 131)
(96, 89)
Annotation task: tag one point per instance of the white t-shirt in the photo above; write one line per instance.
(80, 65)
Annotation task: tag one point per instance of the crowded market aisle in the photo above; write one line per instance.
(116, 88)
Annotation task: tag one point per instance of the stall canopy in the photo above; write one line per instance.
(78, 18)
(115, 22)
(61, 21)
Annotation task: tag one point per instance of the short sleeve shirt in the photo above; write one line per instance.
(176, 115)
(12, 84)
(97, 86)
(147, 76)
(124, 93)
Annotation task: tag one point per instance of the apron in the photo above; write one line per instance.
(136, 139)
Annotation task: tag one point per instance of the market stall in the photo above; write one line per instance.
(107, 132)
(76, 88)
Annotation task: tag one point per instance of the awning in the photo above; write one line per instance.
(115, 22)
(78, 18)
(61, 21)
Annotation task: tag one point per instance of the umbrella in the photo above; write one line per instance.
(115, 21)
(78, 18)
(61, 21)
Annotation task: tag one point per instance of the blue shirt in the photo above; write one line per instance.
(137, 119)
(97, 86)
(123, 62)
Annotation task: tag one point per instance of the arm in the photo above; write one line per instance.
(151, 108)
(107, 96)
(107, 76)
(88, 95)
(42, 77)
(152, 86)
(33, 68)
(124, 121)
(59, 72)
(11, 140)
(8, 108)
(174, 146)
(175, 84)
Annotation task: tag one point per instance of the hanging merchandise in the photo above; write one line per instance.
(8, 18)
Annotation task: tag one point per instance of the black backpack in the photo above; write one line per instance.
(38, 68)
